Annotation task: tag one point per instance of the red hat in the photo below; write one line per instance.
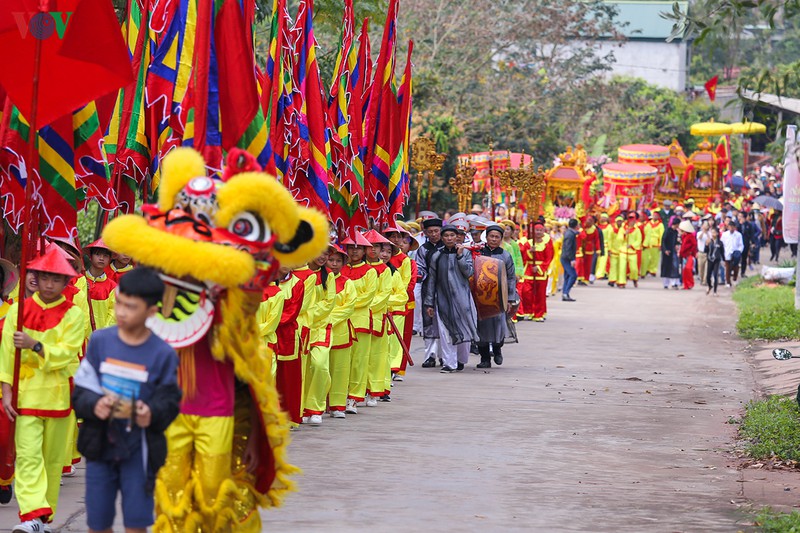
(335, 248)
(396, 229)
(99, 243)
(54, 262)
(358, 241)
(69, 241)
(373, 237)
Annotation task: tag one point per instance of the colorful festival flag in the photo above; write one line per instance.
(127, 145)
(53, 176)
(381, 113)
(310, 168)
(346, 187)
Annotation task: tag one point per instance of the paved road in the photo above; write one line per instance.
(610, 416)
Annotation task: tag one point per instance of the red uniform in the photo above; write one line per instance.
(289, 366)
(542, 253)
(688, 251)
(527, 275)
(588, 244)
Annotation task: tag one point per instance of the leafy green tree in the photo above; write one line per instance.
(773, 29)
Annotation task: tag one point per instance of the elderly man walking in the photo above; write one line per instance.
(493, 331)
(450, 299)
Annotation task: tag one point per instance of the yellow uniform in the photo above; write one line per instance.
(617, 243)
(653, 231)
(102, 295)
(601, 269)
(365, 283)
(379, 353)
(342, 337)
(317, 376)
(399, 315)
(628, 258)
(397, 309)
(43, 424)
(555, 267)
(268, 317)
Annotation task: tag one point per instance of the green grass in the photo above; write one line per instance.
(766, 312)
(771, 428)
(771, 521)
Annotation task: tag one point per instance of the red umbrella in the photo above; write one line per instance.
(56, 56)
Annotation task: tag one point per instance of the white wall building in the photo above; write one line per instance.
(646, 53)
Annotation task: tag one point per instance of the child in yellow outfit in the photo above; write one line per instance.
(342, 332)
(50, 342)
(268, 317)
(317, 376)
(379, 353)
(101, 288)
(396, 309)
(365, 283)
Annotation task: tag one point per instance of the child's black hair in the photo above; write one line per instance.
(144, 283)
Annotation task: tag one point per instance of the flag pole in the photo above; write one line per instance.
(28, 230)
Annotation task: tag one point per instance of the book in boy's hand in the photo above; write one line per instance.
(122, 381)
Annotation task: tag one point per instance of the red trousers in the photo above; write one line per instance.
(522, 310)
(7, 450)
(408, 334)
(584, 267)
(688, 273)
(525, 289)
(539, 290)
(289, 382)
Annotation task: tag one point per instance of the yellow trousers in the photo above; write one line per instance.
(378, 364)
(195, 491)
(627, 261)
(72, 456)
(613, 267)
(602, 264)
(395, 350)
(40, 458)
(650, 258)
(359, 364)
(339, 368)
(316, 381)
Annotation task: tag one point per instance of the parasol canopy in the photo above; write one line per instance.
(748, 128)
(710, 129)
(628, 180)
(770, 202)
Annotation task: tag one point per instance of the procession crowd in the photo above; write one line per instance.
(339, 328)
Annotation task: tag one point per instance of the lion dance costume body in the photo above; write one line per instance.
(218, 243)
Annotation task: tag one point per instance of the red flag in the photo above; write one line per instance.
(83, 55)
(238, 94)
(711, 87)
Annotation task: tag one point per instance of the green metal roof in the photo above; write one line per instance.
(644, 18)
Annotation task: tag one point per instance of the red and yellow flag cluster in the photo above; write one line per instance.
(343, 150)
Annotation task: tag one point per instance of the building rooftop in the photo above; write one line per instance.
(781, 102)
